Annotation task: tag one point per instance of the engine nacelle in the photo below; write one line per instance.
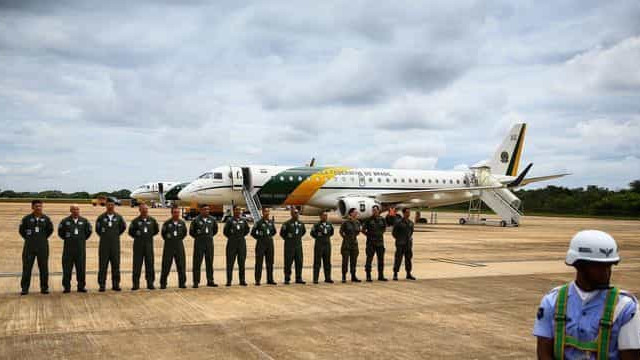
(310, 210)
(364, 205)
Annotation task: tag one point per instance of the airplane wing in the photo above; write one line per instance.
(540, 178)
(405, 196)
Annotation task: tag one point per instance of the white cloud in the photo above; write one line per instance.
(414, 162)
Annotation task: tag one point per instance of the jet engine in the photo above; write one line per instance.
(310, 210)
(364, 205)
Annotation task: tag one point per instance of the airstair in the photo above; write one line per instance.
(253, 204)
(501, 200)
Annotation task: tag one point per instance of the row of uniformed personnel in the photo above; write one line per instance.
(36, 228)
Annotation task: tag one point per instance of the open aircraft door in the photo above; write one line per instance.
(237, 178)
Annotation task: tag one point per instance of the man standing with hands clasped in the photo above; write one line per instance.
(109, 226)
(142, 230)
(74, 230)
(35, 230)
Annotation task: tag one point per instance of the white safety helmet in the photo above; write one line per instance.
(592, 245)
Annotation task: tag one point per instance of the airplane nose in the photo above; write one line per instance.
(185, 194)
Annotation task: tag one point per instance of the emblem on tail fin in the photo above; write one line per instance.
(504, 157)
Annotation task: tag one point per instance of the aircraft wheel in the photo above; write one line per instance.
(503, 223)
(462, 221)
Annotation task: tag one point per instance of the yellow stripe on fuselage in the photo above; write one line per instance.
(308, 188)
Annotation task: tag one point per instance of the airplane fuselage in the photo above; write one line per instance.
(322, 187)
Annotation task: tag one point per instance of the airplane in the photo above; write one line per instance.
(153, 191)
(315, 188)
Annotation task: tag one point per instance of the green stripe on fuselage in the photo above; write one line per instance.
(275, 191)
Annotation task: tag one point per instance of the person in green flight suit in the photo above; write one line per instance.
(349, 249)
(173, 232)
(74, 230)
(263, 231)
(235, 230)
(35, 230)
(374, 228)
(109, 226)
(403, 233)
(142, 229)
(322, 231)
(292, 232)
(203, 228)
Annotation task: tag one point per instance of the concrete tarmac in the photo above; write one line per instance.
(476, 297)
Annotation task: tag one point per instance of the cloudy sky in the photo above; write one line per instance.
(101, 95)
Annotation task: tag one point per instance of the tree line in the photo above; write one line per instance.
(56, 194)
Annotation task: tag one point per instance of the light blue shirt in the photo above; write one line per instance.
(584, 311)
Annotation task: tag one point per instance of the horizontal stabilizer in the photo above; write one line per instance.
(541, 178)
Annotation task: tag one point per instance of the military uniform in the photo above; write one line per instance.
(374, 229)
(35, 232)
(403, 233)
(74, 233)
(203, 229)
(322, 232)
(292, 232)
(142, 230)
(583, 324)
(235, 230)
(263, 231)
(109, 228)
(173, 232)
(349, 249)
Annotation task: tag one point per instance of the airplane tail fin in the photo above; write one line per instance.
(506, 160)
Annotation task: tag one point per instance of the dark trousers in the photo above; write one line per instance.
(349, 260)
(169, 255)
(143, 252)
(202, 249)
(322, 256)
(291, 254)
(378, 251)
(264, 252)
(29, 255)
(236, 249)
(71, 259)
(109, 253)
(403, 251)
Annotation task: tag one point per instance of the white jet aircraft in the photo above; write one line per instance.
(315, 189)
(153, 191)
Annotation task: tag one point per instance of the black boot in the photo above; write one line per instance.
(395, 276)
(354, 278)
(410, 277)
(344, 278)
(369, 276)
(382, 278)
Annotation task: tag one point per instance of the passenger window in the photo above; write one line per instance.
(387, 179)
(409, 180)
(423, 181)
(458, 181)
(379, 180)
(436, 181)
(395, 180)
(217, 176)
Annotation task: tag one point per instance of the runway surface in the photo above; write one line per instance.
(476, 297)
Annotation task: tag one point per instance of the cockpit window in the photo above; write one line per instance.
(217, 176)
(206, 176)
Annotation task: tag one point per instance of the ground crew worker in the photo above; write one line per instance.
(35, 230)
(263, 231)
(74, 230)
(109, 227)
(403, 233)
(349, 249)
(374, 228)
(173, 232)
(142, 229)
(588, 318)
(292, 232)
(322, 232)
(235, 230)
(203, 228)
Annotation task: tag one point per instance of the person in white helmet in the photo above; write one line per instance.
(588, 318)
